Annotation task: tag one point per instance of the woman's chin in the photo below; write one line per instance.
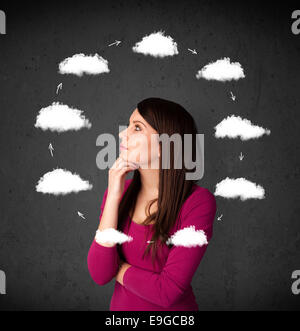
(124, 154)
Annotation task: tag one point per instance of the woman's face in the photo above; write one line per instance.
(137, 141)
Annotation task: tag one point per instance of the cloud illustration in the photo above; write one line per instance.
(157, 45)
(60, 117)
(221, 70)
(80, 64)
(239, 187)
(111, 235)
(234, 127)
(188, 237)
(62, 182)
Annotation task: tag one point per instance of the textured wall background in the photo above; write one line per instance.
(43, 242)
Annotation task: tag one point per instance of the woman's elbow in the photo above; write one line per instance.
(168, 299)
(99, 276)
(100, 270)
(100, 280)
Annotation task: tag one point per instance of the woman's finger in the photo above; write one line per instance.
(125, 169)
(117, 162)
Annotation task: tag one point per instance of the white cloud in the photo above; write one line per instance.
(221, 70)
(239, 187)
(234, 127)
(60, 117)
(157, 45)
(188, 237)
(79, 64)
(111, 235)
(60, 181)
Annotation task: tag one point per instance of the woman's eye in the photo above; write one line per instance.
(136, 126)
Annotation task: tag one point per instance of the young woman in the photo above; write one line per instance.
(151, 207)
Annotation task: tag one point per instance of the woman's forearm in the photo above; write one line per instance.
(109, 218)
(116, 182)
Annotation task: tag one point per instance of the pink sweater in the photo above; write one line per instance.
(167, 286)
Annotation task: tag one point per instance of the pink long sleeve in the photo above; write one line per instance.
(102, 261)
(167, 287)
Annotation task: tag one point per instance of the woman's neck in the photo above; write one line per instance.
(149, 181)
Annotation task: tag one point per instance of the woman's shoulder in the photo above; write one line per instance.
(198, 195)
(199, 204)
(200, 199)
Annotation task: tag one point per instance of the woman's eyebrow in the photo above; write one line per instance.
(140, 122)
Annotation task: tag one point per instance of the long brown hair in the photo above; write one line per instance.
(165, 117)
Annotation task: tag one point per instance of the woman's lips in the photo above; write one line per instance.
(122, 147)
